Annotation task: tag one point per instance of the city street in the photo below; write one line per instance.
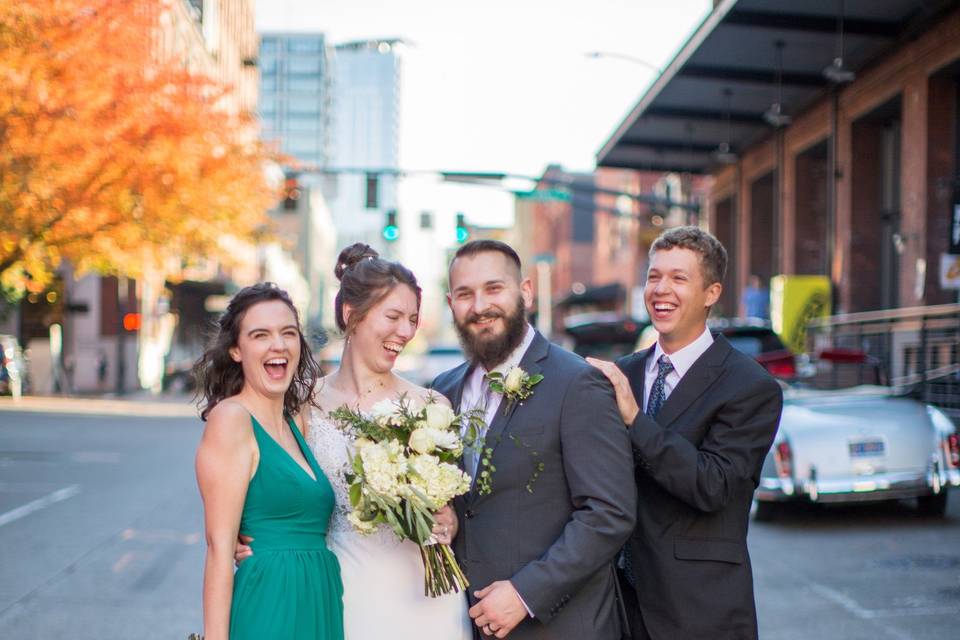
(101, 536)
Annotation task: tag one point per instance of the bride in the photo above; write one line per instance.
(377, 309)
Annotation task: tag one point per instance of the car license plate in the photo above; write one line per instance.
(866, 448)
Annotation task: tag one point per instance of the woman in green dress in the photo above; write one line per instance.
(258, 478)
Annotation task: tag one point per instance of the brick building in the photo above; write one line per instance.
(832, 140)
(587, 235)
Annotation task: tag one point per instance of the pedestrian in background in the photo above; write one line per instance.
(756, 299)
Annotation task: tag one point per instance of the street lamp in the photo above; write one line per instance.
(623, 56)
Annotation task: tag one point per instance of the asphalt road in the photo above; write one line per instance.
(101, 537)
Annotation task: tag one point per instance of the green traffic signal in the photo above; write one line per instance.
(390, 229)
(462, 232)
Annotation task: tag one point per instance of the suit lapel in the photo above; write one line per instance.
(635, 368)
(531, 363)
(460, 375)
(695, 382)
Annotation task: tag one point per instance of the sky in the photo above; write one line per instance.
(505, 86)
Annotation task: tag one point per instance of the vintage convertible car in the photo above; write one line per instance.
(857, 445)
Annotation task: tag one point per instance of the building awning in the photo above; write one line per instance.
(723, 80)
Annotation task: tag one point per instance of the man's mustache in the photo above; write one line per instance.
(487, 315)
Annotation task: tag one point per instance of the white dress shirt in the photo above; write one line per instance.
(472, 397)
(682, 360)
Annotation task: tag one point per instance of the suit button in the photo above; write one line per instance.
(469, 513)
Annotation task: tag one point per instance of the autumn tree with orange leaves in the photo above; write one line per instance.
(111, 157)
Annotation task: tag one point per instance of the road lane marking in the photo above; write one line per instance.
(160, 535)
(40, 503)
(863, 613)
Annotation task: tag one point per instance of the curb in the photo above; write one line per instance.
(101, 407)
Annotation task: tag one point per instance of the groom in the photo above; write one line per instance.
(537, 547)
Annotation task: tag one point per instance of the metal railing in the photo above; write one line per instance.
(914, 349)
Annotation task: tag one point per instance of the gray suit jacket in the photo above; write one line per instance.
(556, 543)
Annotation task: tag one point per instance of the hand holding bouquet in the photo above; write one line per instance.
(403, 469)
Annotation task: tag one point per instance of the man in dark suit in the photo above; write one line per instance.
(538, 547)
(701, 417)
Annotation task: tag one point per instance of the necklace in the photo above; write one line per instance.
(361, 393)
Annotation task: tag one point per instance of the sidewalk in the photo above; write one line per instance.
(141, 404)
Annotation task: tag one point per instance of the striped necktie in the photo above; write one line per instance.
(657, 392)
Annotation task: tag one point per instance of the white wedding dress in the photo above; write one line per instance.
(382, 576)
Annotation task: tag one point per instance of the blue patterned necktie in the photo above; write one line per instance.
(657, 392)
(654, 403)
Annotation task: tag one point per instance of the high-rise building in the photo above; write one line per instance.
(295, 99)
(335, 110)
(366, 141)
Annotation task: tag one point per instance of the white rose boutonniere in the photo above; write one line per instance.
(515, 386)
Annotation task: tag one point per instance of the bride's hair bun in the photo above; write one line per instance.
(352, 255)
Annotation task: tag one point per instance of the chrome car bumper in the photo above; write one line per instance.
(881, 486)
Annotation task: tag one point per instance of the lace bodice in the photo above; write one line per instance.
(332, 449)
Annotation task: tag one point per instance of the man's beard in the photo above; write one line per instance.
(490, 351)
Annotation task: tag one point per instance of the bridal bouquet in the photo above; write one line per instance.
(404, 467)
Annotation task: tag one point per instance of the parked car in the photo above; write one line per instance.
(13, 368)
(604, 335)
(759, 341)
(756, 339)
(434, 361)
(857, 445)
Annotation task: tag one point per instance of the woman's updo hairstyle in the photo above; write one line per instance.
(366, 279)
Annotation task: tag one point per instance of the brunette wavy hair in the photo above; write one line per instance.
(218, 376)
(366, 279)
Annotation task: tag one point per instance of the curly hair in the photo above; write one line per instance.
(365, 279)
(218, 376)
(713, 257)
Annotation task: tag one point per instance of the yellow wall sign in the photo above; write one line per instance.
(794, 302)
(949, 271)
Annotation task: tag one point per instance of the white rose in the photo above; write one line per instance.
(386, 412)
(422, 441)
(443, 439)
(439, 416)
(512, 382)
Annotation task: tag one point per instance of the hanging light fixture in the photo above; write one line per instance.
(775, 116)
(836, 72)
(723, 154)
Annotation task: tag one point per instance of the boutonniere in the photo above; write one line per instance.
(516, 386)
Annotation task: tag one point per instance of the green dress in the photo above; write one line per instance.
(290, 589)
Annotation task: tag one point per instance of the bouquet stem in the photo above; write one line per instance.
(441, 573)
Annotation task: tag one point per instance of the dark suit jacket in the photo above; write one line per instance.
(697, 466)
(555, 542)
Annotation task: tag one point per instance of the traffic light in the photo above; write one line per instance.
(390, 229)
(462, 232)
(291, 193)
